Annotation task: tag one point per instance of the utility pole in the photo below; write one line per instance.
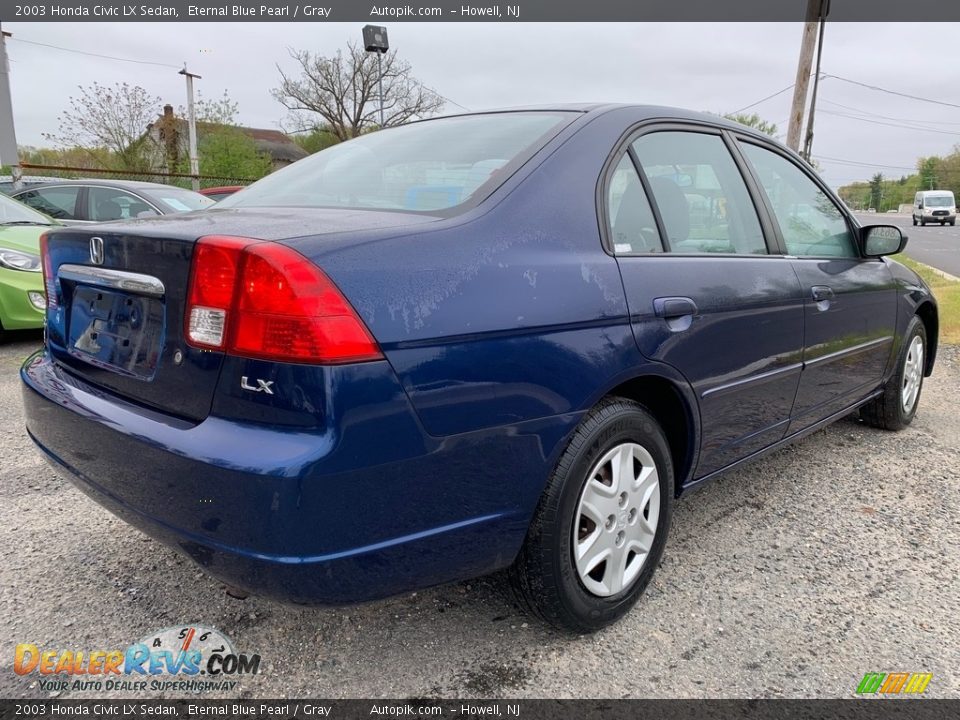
(803, 75)
(8, 137)
(808, 142)
(380, 83)
(192, 127)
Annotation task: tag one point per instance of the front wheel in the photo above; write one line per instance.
(895, 408)
(914, 221)
(601, 524)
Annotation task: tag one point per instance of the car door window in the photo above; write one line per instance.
(57, 202)
(703, 201)
(105, 204)
(633, 228)
(810, 222)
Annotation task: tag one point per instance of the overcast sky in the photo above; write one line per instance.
(715, 67)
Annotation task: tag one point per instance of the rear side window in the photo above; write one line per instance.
(104, 204)
(698, 189)
(633, 228)
(425, 166)
(811, 224)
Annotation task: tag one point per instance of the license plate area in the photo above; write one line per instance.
(117, 331)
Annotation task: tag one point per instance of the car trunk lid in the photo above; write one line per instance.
(116, 318)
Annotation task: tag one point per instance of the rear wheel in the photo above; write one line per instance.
(599, 530)
(895, 408)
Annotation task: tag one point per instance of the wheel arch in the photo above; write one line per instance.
(672, 404)
(927, 312)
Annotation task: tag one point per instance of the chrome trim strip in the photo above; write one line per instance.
(115, 279)
(753, 378)
(849, 351)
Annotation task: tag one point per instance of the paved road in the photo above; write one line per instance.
(791, 577)
(936, 245)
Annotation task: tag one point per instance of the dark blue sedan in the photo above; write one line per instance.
(498, 340)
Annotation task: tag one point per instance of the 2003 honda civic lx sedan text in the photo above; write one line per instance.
(506, 339)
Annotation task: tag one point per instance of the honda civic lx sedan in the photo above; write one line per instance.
(495, 340)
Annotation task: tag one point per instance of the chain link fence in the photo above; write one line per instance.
(33, 174)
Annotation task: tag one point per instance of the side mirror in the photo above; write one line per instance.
(880, 240)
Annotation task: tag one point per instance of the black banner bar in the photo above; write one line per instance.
(384, 11)
(301, 709)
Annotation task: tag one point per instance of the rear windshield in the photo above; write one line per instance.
(183, 200)
(425, 166)
(938, 201)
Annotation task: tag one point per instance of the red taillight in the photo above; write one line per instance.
(49, 281)
(264, 300)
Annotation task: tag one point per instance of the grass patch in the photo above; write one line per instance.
(947, 293)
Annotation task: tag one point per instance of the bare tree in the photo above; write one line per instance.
(222, 111)
(112, 118)
(342, 92)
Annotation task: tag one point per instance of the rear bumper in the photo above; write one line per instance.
(322, 516)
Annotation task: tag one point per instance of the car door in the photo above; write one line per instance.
(704, 292)
(58, 201)
(850, 301)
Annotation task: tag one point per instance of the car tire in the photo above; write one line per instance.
(896, 407)
(914, 222)
(952, 223)
(546, 576)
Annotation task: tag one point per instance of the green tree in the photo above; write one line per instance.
(928, 172)
(876, 191)
(319, 138)
(753, 121)
(227, 151)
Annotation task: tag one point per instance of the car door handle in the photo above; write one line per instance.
(821, 292)
(670, 308)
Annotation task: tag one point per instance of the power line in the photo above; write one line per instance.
(763, 100)
(444, 97)
(887, 124)
(886, 117)
(891, 92)
(841, 161)
(84, 52)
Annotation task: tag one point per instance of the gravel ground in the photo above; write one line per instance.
(789, 578)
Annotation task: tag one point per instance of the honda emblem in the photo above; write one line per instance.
(96, 250)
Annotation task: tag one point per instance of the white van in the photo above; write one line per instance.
(930, 206)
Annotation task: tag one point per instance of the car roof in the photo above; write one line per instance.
(641, 112)
(127, 184)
